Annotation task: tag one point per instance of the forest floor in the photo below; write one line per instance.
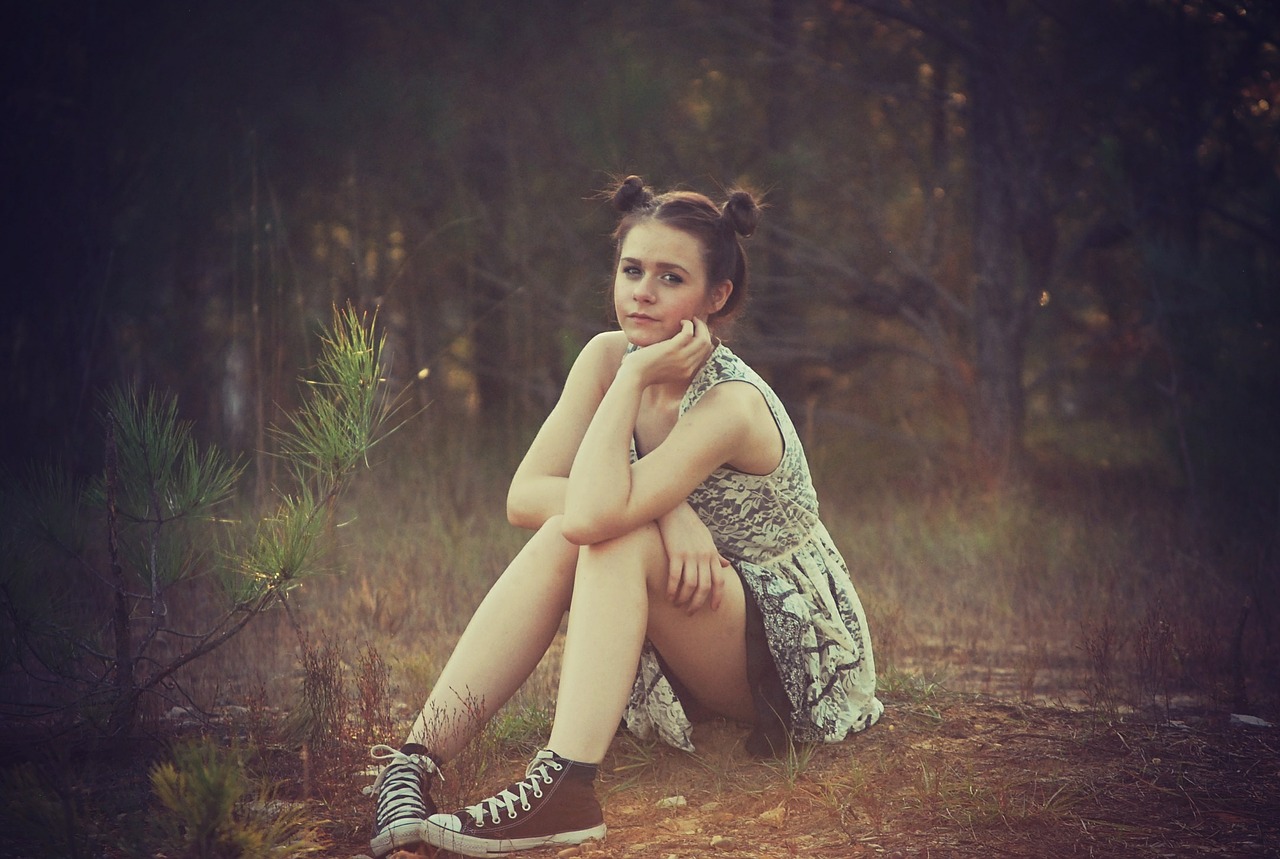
(944, 774)
(947, 776)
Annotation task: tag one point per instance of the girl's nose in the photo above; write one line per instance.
(643, 290)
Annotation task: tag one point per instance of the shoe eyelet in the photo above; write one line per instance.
(526, 806)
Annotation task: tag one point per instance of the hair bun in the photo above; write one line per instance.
(742, 212)
(631, 195)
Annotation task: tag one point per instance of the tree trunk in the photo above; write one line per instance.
(997, 407)
(125, 687)
(778, 316)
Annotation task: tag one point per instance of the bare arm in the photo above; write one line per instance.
(607, 495)
(538, 487)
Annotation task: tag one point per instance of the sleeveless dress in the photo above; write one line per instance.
(808, 649)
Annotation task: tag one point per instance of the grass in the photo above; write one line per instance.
(1032, 648)
(1089, 593)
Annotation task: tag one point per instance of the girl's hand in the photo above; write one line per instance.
(676, 359)
(695, 576)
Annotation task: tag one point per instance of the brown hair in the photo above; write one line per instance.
(719, 230)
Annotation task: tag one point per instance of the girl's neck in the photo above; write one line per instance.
(668, 394)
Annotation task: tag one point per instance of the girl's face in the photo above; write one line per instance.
(660, 282)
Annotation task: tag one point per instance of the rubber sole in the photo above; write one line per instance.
(470, 845)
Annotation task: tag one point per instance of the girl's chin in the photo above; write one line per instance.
(645, 335)
(640, 339)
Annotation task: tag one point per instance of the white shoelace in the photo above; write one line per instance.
(534, 778)
(402, 778)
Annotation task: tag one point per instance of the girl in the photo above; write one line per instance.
(676, 522)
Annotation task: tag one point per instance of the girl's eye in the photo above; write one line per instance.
(631, 270)
(672, 277)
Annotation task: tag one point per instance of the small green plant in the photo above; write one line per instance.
(212, 809)
(912, 687)
(90, 599)
(793, 761)
(44, 811)
(524, 727)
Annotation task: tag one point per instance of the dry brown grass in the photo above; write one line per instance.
(947, 774)
(1060, 669)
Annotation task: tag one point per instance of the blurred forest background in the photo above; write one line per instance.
(1005, 238)
(1018, 283)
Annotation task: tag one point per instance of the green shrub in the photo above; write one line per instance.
(44, 811)
(111, 589)
(213, 810)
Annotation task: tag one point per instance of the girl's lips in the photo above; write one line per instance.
(641, 317)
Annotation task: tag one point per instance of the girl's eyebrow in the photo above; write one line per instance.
(663, 265)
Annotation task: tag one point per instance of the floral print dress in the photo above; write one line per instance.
(813, 622)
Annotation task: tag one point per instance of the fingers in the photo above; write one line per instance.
(683, 582)
(698, 589)
(695, 584)
(696, 330)
(677, 357)
(694, 342)
(711, 587)
(700, 330)
(675, 574)
(717, 582)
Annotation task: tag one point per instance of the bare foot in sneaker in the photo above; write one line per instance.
(403, 789)
(555, 803)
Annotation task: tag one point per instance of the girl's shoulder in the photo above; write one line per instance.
(722, 366)
(605, 349)
(599, 359)
(606, 346)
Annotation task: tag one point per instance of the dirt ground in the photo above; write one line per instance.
(950, 776)
(944, 774)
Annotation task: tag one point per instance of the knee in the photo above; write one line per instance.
(551, 534)
(641, 552)
(552, 548)
(636, 541)
(553, 526)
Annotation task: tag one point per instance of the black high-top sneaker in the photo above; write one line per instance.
(555, 803)
(403, 789)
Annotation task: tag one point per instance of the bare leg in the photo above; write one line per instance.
(619, 595)
(502, 644)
